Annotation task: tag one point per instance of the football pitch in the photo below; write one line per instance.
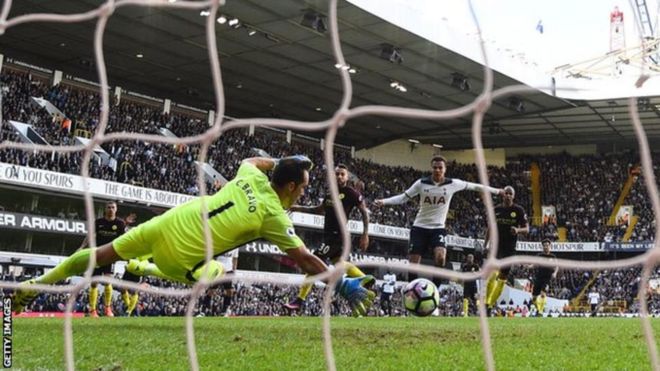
(248, 343)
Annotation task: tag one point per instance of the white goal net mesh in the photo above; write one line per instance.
(331, 126)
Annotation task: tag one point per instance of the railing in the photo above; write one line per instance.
(82, 133)
(625, 191)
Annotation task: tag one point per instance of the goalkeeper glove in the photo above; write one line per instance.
(357, 292)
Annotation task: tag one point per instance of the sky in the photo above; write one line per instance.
(573, 31)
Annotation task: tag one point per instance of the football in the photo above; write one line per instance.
(421, 297)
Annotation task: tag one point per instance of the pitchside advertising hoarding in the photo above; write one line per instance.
(267, 248)
(560, 246)
(74, 184)
(628, 246)
(38, 223)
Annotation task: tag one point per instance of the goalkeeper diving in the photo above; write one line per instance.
(247, 208)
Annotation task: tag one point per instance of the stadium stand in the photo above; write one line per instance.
(583, 188)
(568, 182)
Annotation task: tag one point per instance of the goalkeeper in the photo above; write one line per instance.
(247, 208)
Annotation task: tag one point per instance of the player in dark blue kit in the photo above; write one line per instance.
(543, 276)
(511, 221)
(469, 287)
(331, 249)
(107, 229)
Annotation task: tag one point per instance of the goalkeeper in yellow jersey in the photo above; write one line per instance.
(247, 208)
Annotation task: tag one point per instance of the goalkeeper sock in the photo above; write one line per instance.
(466, 307)
(107, 295)
(304, 291)
(353, 271)
(133, 304)
(93, 297)
(126, 297)
(71, 266)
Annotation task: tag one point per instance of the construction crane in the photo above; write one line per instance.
(646, 28)
(644, 55)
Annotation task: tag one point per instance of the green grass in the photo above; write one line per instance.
(359, 344)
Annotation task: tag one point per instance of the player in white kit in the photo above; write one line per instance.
(229, 262)
(435, 193)
(389, 283)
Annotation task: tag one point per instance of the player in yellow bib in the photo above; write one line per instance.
(247, 208)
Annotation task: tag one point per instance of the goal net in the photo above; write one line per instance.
(346, 111)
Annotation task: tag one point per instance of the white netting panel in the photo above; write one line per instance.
(477, 109)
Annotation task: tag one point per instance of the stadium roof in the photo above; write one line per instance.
(287, 70)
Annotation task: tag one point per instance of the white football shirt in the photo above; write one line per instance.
(434, 199)
(227, 260)
(390, 282)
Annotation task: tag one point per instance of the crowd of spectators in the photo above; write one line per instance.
(640, 201)
(582, 188)
(70, 213)
(172, 167)
(619, 284)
